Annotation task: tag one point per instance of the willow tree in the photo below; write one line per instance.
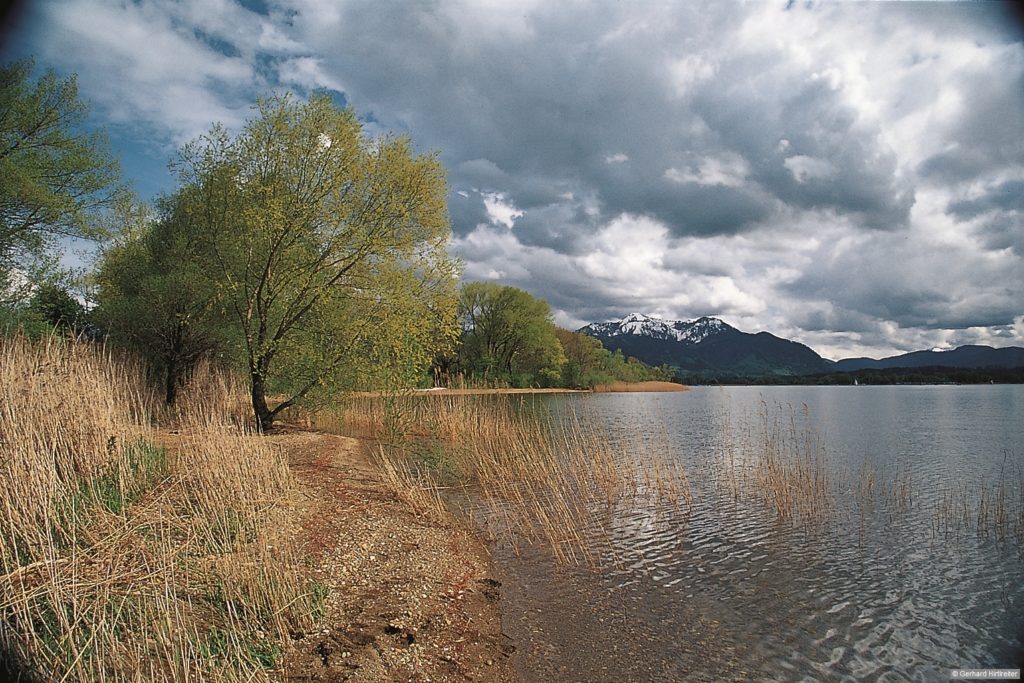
(328, 247)
(55, 177)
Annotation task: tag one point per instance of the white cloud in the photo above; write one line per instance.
(308, 73)
(728, 170)
(144, 68)
(500, 210)
(689, 70)
(805, 168)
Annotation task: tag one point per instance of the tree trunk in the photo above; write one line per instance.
(264, 418)
(173, 365)
(171, 383)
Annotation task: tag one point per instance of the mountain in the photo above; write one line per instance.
(709, 347)
(960, 357)
(706, 346)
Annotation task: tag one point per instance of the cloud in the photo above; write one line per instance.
(730, 170)
(807, 169)
(1005, 196)
(499, 210)
(848, 174)
(169, 68)
(307, 73)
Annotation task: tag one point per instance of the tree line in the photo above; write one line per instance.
(299, 251)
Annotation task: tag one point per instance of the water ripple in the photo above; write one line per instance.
(870, 594)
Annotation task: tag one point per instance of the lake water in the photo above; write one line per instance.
(897, 583)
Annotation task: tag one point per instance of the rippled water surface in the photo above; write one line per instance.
(890, 587)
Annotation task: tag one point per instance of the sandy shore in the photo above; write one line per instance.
(614, 387)
(441, 391)
(630, 387)
(409, 598)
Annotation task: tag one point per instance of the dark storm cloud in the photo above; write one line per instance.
(562, 227)
(1007, 196)
(933, 291)
(988, 135)
(1004, 232)
(805, 146)
(560, 95)
(466, 211)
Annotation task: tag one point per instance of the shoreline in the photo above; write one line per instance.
(408, 595)
(613, 388)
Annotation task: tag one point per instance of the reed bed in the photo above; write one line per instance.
(990, 511)
(534, 477)
(538, 478)
(120, 559)
(779, 462)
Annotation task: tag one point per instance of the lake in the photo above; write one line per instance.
(913, 566)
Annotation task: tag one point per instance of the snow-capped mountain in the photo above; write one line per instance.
(709, 348)
(705, 346)
(685, 331)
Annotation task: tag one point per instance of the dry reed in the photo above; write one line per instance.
(124, 561)
(534, 478)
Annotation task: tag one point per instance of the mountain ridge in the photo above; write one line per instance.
(710, 346)
(706, 345)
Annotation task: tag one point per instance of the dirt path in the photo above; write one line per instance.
(408, 599)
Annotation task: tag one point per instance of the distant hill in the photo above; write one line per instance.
(708, 347)
(705, 346)
(960, 357)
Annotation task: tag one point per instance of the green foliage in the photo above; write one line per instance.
(327, 248)
(224, 647)
(54, 305)
(55, 177)
(155, 296)
(318, 593)
(589, 364)
(508, 336)
(115, 489)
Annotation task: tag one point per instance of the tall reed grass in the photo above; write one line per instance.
(780, 461)
(532, 477)
(122, 559)
(535, 477)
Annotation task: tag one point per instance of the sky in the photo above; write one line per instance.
(847, 175)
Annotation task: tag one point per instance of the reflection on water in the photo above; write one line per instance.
(879, 583)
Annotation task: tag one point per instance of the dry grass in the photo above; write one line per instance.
(547, 480)
(121, 560)
(533, 478)
(781, 463)
(791, 472)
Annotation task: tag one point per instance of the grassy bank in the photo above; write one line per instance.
(130, 556)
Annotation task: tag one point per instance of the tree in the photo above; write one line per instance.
(53, 176)
(508, 334)
(58, 308)
(328, 249)
(585, 359)
(154, 296)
